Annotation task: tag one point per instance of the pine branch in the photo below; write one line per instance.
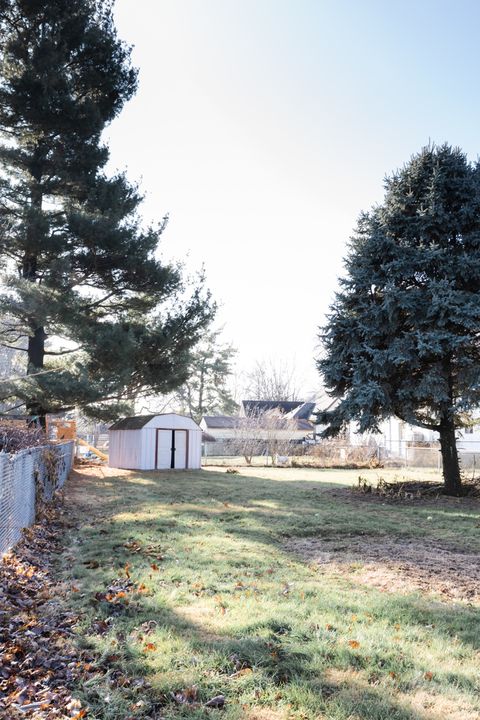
(13, 347)
(63, 352)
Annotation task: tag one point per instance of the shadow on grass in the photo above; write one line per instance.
(291, 655)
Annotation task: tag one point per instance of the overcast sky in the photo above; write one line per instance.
(264, 127)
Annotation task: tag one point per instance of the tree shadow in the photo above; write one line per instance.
(281, 651)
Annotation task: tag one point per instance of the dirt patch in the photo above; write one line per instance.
(397, 565)
(84, 483)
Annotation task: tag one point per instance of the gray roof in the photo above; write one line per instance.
(294, 408)
(303, 424)
(255, 407)
(221, 421)
(206, 437)
(305, 411)
(135, 422)
(226, 421)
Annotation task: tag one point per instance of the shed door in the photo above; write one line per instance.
(164, 449)
(172, 449)
(180, 449)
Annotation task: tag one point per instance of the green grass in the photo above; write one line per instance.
(228, 597)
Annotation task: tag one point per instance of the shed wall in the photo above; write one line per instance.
(195, 450)
(149, 447)
(125, 449)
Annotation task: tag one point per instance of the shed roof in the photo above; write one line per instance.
(137, 422)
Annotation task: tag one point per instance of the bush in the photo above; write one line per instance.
(339, 453)
(16, 435)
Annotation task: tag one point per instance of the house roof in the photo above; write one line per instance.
(255, 407)
(206, 437)
(218, 422)
(303, 412)
(303, 425)
(221, 421)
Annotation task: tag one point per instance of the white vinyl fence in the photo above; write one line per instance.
(19, 474)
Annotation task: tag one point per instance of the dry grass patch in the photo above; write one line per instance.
(397, 565)
(434, 706)
(259, 713)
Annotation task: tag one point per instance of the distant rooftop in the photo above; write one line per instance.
(221, 421)
(293, 408)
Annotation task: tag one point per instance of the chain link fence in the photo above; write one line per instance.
(338, 454)
(21, 475)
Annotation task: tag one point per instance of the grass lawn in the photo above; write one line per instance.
(268, 587)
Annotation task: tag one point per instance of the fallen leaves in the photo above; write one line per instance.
(216, 702)
(190, 696)
(187, 696)
(80, 715)
(153, 551)
(39, 660)
(117, 593)
(241, 673)
(92, 564)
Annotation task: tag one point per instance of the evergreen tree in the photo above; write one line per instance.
(403, 334)
(79, 269)
(207, 392)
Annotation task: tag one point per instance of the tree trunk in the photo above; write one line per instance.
(36, 354)
(451, 465)
(36, 341)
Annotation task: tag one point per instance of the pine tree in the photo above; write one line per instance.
(79, 269)
(207, 392)
(402, 337)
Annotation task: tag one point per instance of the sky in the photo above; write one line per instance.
(264, 127)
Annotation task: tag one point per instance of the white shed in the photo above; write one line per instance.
(155, 442)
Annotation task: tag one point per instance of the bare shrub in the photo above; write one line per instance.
(16, 435)
(338, 453)
(269, 432)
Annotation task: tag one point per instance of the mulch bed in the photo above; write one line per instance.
(413, 489)
(39, 660)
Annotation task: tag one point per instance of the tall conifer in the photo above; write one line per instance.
(78, 266)
(403, 334)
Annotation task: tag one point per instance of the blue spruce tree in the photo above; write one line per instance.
(403, 334)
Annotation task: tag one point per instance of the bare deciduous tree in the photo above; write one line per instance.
(271, 380)
(269, 432)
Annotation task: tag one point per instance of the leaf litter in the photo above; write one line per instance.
(40, 661)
